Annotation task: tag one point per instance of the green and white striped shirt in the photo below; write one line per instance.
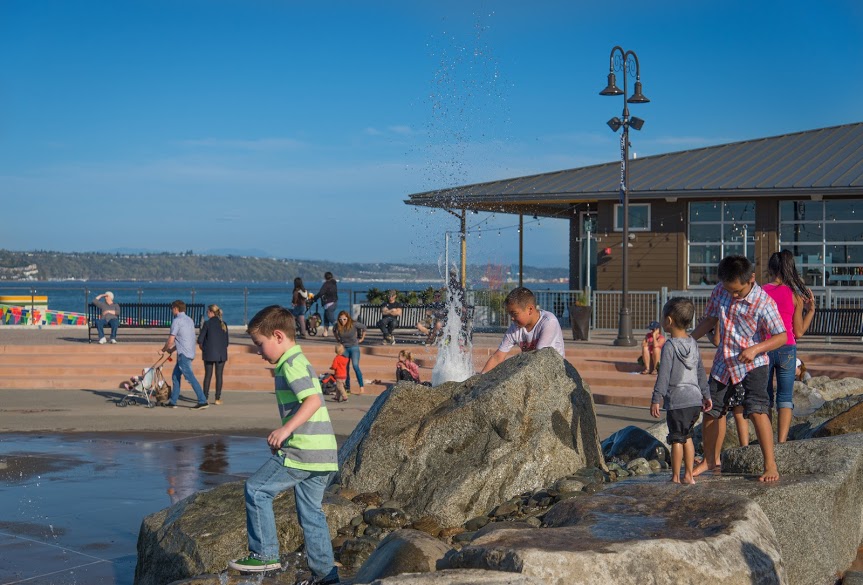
(312, 446)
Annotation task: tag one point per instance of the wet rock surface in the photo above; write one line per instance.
(633, 443)
(461, 448)
(665, 531)
(403, 551)
(201, 533)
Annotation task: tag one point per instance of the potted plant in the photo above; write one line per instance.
(579, 316)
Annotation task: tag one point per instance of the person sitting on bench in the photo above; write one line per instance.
(391, 311)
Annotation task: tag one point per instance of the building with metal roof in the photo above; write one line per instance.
(688, 209)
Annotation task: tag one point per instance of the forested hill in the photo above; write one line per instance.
(47, 265)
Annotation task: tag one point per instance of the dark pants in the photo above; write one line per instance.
(113, 323)
(208, 375)
(403, 374)
(387, 324)
(329, 315)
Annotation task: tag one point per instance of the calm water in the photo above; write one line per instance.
(239, 301)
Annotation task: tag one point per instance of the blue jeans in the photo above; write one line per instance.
(783, 363)
(184, 368)
(353, 354)
(272, 479)
(100, 327)
(329, 315)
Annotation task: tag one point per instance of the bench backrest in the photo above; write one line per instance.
(149, 314)
(839, 322)
(369, 315)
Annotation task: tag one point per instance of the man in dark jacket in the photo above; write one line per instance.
(328, 296)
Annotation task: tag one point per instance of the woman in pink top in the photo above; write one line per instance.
(792, 299)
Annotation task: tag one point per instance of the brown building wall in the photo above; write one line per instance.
(657, 258)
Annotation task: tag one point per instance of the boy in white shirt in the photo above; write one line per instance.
(531, 328)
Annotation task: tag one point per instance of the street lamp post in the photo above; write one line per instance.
(627, 63)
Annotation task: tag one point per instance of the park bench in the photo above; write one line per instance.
(369, 315)
(145, 316)
(837, 323)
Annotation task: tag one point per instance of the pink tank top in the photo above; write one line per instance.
(784, 298)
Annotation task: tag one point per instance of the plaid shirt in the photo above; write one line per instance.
(742, 323)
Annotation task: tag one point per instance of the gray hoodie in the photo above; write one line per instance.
(681, 381)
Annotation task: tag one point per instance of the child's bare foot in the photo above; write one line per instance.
(770, 474)
(688, 479)
(704, 466)
(675, 478)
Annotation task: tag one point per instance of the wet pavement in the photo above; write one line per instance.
(71, 505)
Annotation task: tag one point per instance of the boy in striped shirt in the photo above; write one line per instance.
(304, 454)
(749, 326)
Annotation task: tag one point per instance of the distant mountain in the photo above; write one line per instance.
(188, 266)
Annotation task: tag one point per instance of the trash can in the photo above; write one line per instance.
(579, 316)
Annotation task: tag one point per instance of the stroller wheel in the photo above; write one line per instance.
(121, 402)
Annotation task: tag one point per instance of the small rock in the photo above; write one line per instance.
(346, 493)
(448, 533)
(372, 531)
(368, 499)
(463, 537)
(570, 495)
(391, 504)
(356, 551)
(339, 541)
(506, 509)
(568, 485)
(592, 488)
(427, 524)
(476, 523)
(389, 518)
(356, 521)
(638, 466)
(654, 465)
(534, 521)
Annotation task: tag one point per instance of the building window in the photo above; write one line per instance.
(826, 238)
(639, 217)
(718, 229)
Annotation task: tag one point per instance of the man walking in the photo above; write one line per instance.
(182, 340)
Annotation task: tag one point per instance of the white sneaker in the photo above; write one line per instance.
(103, 341)
(113, 341)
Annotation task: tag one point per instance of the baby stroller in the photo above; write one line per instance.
(313, 320)
(150, 386)
(328, 383)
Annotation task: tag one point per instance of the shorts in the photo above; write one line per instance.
(680, 423)
(751, 390)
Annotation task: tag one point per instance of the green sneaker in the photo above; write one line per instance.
(255, 565)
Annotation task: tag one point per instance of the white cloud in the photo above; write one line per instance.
(372, 131)
(399, 129)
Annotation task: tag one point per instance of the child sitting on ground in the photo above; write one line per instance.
(340, 373)
(651, 348)
(406, 368)
(681, 385)
(800, 373)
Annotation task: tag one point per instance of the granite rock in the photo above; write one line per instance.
(458, 450)
(402, 551)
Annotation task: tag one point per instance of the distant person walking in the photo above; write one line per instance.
(329, 295)
(213, 341)
(351, 333)
(792, 298)
(299, 300)
(109, 315)
(182, 340)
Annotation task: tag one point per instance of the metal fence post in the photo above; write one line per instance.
(663, 298)
(829, 298)
(245, 305)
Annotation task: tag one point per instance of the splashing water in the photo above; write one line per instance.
(454, 356)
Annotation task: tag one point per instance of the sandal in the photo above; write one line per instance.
(645, 372)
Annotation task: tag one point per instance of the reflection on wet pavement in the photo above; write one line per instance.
(71, 505)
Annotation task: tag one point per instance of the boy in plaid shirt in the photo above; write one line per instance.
(744, 316)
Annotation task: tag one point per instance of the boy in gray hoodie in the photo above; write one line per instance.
(681, 385)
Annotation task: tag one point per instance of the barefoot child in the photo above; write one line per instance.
(304, 454)
(744, 315)
(340, 373)
(681, 385)
(406, 368)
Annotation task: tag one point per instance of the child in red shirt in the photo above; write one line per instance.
(340, 372)
(651, 348)
(406, 368)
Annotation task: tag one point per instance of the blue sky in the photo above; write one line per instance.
(298, 128)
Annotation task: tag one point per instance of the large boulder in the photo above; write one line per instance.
(804, 427)
(461, 577)
(636, 532)
(455, 451)
(850, 421)
(815, 508)
(201, 533)
(831, 389)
